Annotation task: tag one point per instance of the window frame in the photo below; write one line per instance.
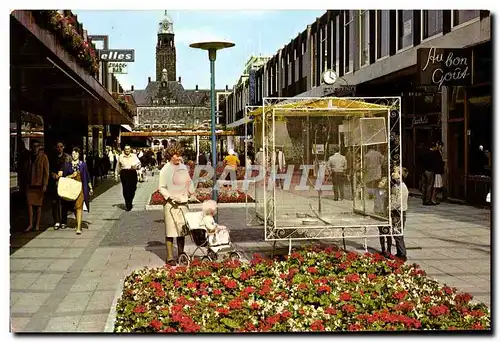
(398, 48)
(465, 23)
(367, 39)
(347, 42)
(422, 22)
(377, 40)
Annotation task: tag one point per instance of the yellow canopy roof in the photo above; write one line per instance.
(332, 106)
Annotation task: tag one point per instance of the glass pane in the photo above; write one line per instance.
(460, 17)
(405, 29)
(365, 38)
(337, 44)
(433, 23)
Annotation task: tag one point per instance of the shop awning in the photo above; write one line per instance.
(47, 80)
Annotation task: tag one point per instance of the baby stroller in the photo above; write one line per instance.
(204, 241)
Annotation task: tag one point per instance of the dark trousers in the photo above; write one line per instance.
(399, 217)
(65, 207)
(427, 186)
(129, 186)
(338, 185)
(57, 209)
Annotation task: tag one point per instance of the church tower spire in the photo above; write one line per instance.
(165, 49)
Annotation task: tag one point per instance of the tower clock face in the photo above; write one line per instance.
(166, 26)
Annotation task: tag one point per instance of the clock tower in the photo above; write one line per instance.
(165, 50)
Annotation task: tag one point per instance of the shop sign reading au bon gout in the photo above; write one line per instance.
(443, 67)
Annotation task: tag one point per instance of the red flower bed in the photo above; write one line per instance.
(204, 194)
(312, 290)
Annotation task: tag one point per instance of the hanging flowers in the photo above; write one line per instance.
(64, 28)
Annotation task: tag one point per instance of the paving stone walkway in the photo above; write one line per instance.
(61, 282)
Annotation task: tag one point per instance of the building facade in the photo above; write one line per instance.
(375, 53)
(165, 110)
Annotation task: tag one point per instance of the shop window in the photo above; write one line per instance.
(463, 16)
(432, 23)
(405, 29)
(349, 40)
(364, 33)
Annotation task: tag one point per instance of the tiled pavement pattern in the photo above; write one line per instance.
(64, 283)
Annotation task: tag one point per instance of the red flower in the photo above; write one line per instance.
(160, 293)
(317, 326)
(272, 320)
(249, 289)
(255, 306)
(191, 285)
(372, 276)
(354, 327)
(223, 311)
(330, 311)
(400, 295)
(463, 298)
(140, 309)
(156, 324)
(324, 288)
(426, 299)
(477, 326)
(349, 308)
(312, 270)
(353, 278)
(438, 310)
(302, 286)
(286, 314)
(345, 297)
(236, 303)
(168, 329)
(477, 313)
(217, 291)
(447, 290)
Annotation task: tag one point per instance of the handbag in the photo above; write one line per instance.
(69, 189)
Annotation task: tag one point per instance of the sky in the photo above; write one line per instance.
(254, 32)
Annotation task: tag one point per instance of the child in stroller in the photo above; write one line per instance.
(207, 234)
(218, 235)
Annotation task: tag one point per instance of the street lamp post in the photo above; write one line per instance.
(212, 48)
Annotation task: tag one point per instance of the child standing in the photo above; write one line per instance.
(218, 234)
(399, 205)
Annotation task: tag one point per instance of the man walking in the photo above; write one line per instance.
(127, 167)
(56, 164)
(337, 165)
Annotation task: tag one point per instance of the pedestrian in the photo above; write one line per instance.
(431, 161)
(202, 159)
(23, 170)
(56, 165)
(111, 157)
(77, 169)
(38, 180)
(126, 168)
(438, 177)
(337, 165)
(231, 162)
(176, 187)
(373, 165)
(281, 164)
(399, 206)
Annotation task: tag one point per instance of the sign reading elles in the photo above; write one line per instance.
(116, 55)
